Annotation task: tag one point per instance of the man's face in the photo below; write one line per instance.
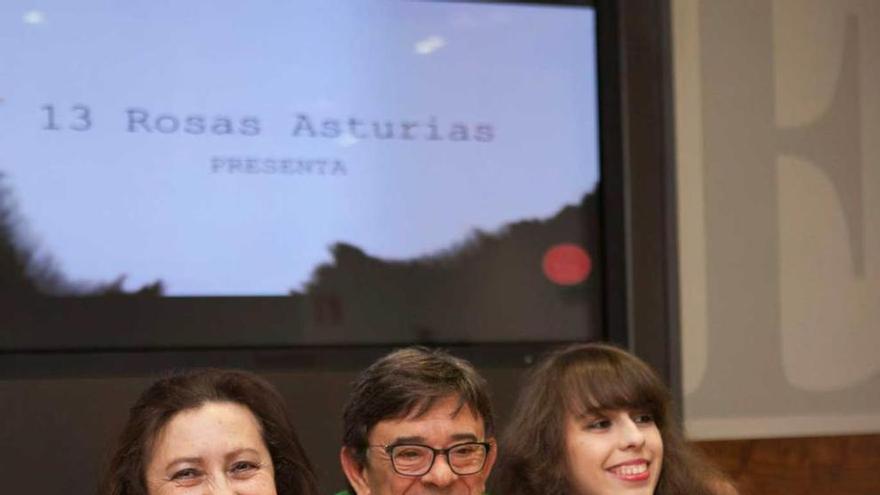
(440, 427)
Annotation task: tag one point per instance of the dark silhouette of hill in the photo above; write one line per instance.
(24, 271)
(489, 287)
(13, 259)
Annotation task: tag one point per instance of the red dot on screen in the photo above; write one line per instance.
(567, 264)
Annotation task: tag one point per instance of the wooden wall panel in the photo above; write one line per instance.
(838, 465)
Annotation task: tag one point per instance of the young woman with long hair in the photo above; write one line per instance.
(593, 419)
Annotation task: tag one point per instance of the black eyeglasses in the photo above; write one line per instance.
(416, 460)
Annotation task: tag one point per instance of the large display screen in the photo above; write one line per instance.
(307, 172)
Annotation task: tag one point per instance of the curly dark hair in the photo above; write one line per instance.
(189, 390)
(590, 378)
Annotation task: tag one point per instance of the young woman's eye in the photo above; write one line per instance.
(599, 424)
(644, 418)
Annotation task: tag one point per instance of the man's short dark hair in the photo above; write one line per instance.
(409, 382)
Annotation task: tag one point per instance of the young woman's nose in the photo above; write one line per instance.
(631, 436)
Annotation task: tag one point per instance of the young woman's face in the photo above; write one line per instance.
(615, 452)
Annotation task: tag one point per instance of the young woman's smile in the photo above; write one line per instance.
(613, 452)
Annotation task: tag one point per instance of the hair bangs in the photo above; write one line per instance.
(607, 383)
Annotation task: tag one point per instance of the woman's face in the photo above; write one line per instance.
(216, 448)
(615, 452)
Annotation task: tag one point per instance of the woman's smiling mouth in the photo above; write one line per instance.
(631, 471)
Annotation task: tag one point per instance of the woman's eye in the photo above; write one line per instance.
(599, 424)
(644, 418)
(185, 474)
(243, 467)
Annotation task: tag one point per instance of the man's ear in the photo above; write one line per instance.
(354, 471)
(490, 461)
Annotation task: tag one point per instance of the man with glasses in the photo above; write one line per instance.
(418, 421)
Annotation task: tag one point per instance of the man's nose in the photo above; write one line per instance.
(441, 473)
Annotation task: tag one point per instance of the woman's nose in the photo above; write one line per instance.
(219, 486)
(631, 436)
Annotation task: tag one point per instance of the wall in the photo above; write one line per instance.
(778, 118)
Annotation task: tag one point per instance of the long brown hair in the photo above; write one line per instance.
(173, 394)
(589, 378)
